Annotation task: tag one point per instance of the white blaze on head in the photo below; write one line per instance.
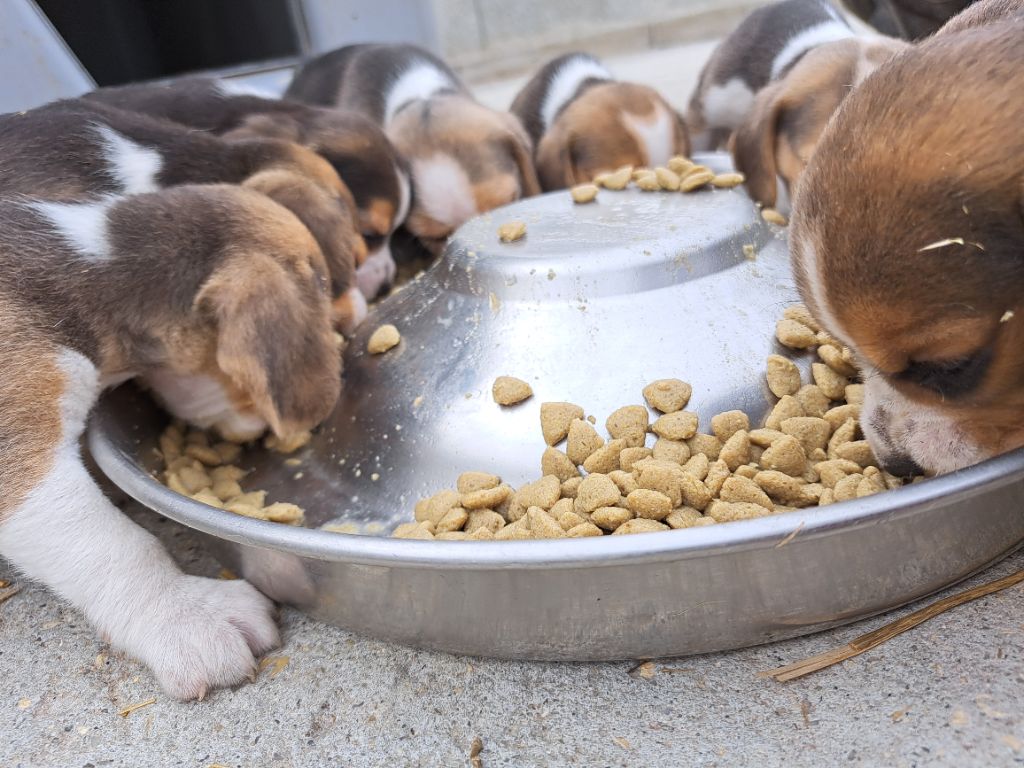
(83, 226)
(826, 32)
(654, 133)
(132, 165)
(726, 105)
(566, 82)
(421, 81)
(443, 190)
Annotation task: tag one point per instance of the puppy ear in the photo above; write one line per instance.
(521, 149)
(267, 127)
(753, 144)
(274, 339)
(556, 162)
(680, 136)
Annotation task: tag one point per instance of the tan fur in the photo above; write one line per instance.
(590, 136)
(916, 158)
(781, 131)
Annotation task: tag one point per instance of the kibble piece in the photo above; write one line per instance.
(748, 471)
(695, 494)
(584, 193)
(846, 488)
(629, 457)
(667, 178)
(452, 536)
(228, 452)
(801, 314)
(828, 496)
(728, 180)
(728, 423)
(671, 450)
(695, 179)
(227, 472)
(832, 471)
(680, 164)
(610, 518)
(511, 231)
(870, 486)
(469, 482)
(629, 423)
(764, 437)
(736, 450)
(678, 425)
(839, 415)
(226, 489)
(846, 433)
(246, 510)
(543, 525)
(811, 432)
(542, 493)
(709, 445)
(206, 496)
(640, 525)
(484, 518)
(437, 506)
(786, 455)
(794, 335)
(619, 179)
(625, 480)
(508, 390)
(833, 358)
(517, 530)
(383, 339)
(453, 520)
(830, 382)
(648, 181)
(412, 531)
(172, 443)
(813, 400)
(582, 530)
(554, 462)
(486, 498)
(780, 486)
(668, 395)
(194, 479)
(203, 454)
(555, 420)
(665, 477)
(683, 517)
(730, 511)
(697, 466)
(595, 491)
(743, 489)
(855, 394)
(783, 376)
(570, 487)
(583, 441)
(644, 502)
(774, 217)
(787, 407)
(606, 458)
(858, 451)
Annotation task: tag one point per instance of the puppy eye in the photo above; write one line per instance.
(948, 378)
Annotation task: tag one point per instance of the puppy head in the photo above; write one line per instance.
(779, 134)
(259, 329)
(907, 237)
(609, 125)
(465, 159)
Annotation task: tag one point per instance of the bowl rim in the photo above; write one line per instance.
(707, 541)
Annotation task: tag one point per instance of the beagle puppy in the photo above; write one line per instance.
(217, 296)
(119, 153)
(465, 158)
(907, 237)
(765, 45)
(361, 154)
(583, 122)
(774, 141)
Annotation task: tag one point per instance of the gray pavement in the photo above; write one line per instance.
(950, 692)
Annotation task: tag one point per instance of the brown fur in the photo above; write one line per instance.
(589, 137)
(780, 133)
(913, 158)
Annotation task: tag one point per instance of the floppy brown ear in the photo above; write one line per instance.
(274, 339)
(556, 164)
(521, 149)
(754, 142)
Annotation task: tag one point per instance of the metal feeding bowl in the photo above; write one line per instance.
(594, 303)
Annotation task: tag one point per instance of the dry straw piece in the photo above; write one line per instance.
(884, 633)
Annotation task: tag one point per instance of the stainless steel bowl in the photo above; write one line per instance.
(595, 302)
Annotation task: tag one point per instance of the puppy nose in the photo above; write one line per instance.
(901, 466)
(385, 289)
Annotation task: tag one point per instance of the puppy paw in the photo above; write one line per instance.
(208, 634)
(375, 275)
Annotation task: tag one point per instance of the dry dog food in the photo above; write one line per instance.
(809, 452)
(511, 231)
(584, 193)
(204, 471)
(383, 339)
(508, 390)
(774, 217)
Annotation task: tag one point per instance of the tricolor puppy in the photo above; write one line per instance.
(775, 139)
(118, 153)
(361, 154)
(907, 238)
(584, 122)
(217, 296)
(765, 45)
(465, 158)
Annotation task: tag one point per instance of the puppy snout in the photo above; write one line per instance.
(901, 466)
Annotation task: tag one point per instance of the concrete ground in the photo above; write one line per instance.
(946, 693)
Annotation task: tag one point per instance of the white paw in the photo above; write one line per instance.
(207, 634)
(376, 274)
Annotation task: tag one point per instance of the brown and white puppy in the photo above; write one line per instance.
(777, 136)
(367, 162)
(907, 237)
(218, 297)
(465, 158)
(117, 152)
(765, 45)
(584, 122)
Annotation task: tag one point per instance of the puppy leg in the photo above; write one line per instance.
(194, 633)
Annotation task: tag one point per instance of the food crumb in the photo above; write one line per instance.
(511, 231)
(508, 390)
(584, 193)
(774, 217)
(383, 339)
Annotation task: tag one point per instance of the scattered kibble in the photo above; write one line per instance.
(383, 339)
(511, 231)
(508, 390)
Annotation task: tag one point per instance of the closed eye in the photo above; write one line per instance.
(948, 378)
